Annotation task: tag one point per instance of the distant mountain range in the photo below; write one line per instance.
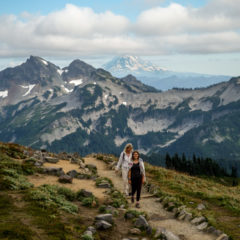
(83, 109)
(158, 77)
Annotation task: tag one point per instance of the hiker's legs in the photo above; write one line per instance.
(139, 187)
(134, 186)
(125, 180)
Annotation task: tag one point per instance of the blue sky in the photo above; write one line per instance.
(182, 35)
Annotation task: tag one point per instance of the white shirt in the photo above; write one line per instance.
(124, 160)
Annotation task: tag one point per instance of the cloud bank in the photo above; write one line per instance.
(74, 30)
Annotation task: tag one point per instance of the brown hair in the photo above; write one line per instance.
(137, 153)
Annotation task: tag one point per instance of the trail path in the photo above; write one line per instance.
(158, 216)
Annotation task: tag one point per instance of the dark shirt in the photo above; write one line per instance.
(135, 171)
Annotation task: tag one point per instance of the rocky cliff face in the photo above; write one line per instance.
(79, 108)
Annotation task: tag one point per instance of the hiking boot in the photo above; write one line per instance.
(137, 205)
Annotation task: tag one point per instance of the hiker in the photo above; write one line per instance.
(136, 176)
(125, 161)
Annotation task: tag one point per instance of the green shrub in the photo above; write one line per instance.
(52, 196)
(86, 237)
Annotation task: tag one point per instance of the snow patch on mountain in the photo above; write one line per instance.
(148, 125)
(76, 82)
(4, 94)
(29, 87)
(66, 89)
(119, 140)
(60, 71)
(44, 62)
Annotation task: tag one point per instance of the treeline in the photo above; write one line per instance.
(199, 166)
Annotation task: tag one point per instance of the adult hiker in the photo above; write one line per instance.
(136, 176)
(125, 162)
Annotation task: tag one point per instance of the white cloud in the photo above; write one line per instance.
(75, 31)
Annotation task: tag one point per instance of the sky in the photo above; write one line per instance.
(182, 35)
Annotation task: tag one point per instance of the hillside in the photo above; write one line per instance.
(35, 198)
(83, 109)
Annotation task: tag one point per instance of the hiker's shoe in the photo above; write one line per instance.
(137, 205)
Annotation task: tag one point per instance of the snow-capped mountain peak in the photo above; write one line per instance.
(130, 63)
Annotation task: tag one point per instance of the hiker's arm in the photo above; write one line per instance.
(119, 162)
(129, 176)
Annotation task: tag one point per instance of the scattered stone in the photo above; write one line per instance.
(38, 163)
(165, 234)
(102, 225)
(141, 222)
(89, 234)
(63, 156)
(191, 202)
(91, 166)
(74, 160)
(65, 179)
(82, 176)
(86, 193)
(129, 215)
(106, 217)
(201, 207)
(135, 231)
(175, 210)
(218, 233)
(53, 171)
(91, 229)
(182, 237)
(223, 237)
(202, 226)
(81, 164)
(188, 216)
(211, 229)
(198, 220)
(104, 185)
(51, 159)
(72, 173)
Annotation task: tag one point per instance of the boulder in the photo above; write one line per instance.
(141, 222)
(38, 163)
(51, 159)
(55, 171)
(91, 229)
(72, 173)
(135, 231)
(104, 185)
(82, 176)
(201, 207)
(86, 193)
(102, 225)
(223, 237)
(198, 220)
(165, 234)
(202, 226)
(106, 217)
(65, 179)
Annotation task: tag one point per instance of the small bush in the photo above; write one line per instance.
(52, 196)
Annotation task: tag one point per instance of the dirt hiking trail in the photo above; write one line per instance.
(157, 215)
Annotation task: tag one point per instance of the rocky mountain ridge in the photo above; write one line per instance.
(79, 108)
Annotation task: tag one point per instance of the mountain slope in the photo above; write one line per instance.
(158, 77)
(88, 110)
